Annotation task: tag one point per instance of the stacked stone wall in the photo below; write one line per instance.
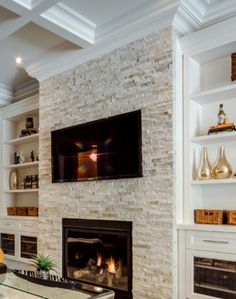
(136, 76)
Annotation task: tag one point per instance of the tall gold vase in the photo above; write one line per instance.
(204, 169)
(222, 169)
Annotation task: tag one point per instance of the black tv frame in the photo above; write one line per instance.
(135, 175)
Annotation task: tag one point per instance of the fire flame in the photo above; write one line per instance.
(111, 265)
(99, 260)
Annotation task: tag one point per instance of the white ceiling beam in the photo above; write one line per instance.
(25, 3)
(34, 3)
(26, 16)
(56, 18)
(42, 7)
(14, 7)
(69, 24)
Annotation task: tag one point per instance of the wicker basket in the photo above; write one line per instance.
(231, 217)
(208, 216)
(21, 211)
(32, 211)
(11, 211)
(233, 66)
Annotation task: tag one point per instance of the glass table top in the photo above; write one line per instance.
(15, 287)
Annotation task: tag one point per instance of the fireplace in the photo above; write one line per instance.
(99, 252)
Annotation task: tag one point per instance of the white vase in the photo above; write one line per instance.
(43, 274)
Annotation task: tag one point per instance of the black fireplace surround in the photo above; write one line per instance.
(99, 252)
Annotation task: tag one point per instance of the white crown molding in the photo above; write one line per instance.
(189, 16)
(208, 38)
(186, 16)
(218, 10)
(193, 15)
(26, 90)
(9, 95)
(49, 66)
(144, 15)
(6, 94)
(66, 18)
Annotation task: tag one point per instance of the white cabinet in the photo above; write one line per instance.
(208, 264)
(18, 240)
(13, 118)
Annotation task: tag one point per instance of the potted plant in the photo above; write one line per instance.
(43, 264)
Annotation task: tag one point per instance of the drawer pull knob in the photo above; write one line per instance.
(216, 242)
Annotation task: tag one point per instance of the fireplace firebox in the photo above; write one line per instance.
(99, 252)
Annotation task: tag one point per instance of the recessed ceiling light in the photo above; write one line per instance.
(18, 60)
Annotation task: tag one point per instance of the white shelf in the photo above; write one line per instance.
(30, 218)
(21, 191)
(215, 95)
(23, 165)
(22, 140)
(208, 227)
(214, 181)
(216, 138)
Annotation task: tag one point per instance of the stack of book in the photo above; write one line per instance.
(222, 128)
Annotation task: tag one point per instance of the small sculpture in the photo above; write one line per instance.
(29, 127)
(34, 157)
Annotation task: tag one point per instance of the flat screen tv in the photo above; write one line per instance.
(108, 148)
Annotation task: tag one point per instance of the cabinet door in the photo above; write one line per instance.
(8, 244)
(28, 247)
(210, 275)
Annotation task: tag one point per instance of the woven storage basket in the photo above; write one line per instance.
(21, 211)
(32, 211)
(11, 211)
(231, 217)
(233, 66)
(208, 216)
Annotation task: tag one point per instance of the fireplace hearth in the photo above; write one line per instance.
(99, 252)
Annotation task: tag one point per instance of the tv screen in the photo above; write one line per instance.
(104, 149)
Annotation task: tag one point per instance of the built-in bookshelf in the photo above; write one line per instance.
(18, 231)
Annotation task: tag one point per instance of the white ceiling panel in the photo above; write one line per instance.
(28, 42)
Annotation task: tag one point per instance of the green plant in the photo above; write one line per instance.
(44, 262)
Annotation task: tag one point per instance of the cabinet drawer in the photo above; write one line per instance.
(213, 241)
(7, 225)
(28, 226)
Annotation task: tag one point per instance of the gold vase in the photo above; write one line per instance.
(222, 168)
(204, 170)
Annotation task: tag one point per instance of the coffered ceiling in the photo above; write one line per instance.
(46, 33)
